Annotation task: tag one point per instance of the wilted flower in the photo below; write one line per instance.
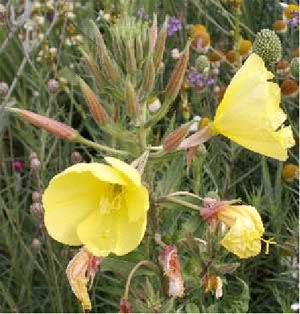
(213, 284)
(53, 86)
(289, 88)
(197, 29)
(100, 204)
(246, 228)
(80, 271)
(201, 42)
(245, 48)
(168, 258)
(283, 68)
(174, 25)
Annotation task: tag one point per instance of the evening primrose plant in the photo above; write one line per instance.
(116, 206)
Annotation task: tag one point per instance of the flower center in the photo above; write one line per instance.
(112, 200)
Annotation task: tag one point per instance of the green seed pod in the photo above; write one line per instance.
(295, 68)
(268, 46)
(160, 45)
(202, 63)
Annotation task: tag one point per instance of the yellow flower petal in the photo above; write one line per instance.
(249, 113)
(242, 239)
(246, 229)
(137, 202)
(69, 198)
(128, 171)
(111, 233)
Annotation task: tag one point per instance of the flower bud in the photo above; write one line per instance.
(154, 104)
(96, 109)
(153, 35)
(53, 86)
(280, 26)
(173, 140)
(268, 46)
(295, 68)
(131, 99)
(18, 166)
(168, 258)
(37, 211)
(131, 66)
(177, 75)
(58, 129)
(3, 89)
(160, 45)
(3, 14)
(76, 158)
(36, 197)
(36, 244)
(149, 76)
(125, 306)
(202, 63)
(35, 164)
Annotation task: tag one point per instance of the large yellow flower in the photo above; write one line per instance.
(249, 113)
(246, 229)
(103, 207)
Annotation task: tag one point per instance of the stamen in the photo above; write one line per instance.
(268, 242)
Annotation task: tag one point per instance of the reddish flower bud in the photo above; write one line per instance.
(97, 111)
(58, 129)
(173, 140)
(125, 306)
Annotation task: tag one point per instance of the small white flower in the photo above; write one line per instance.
(195, 125)
(175, 53)
(295, 307)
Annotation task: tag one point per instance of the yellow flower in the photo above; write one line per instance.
(103, 207)
(249, 113)
(246, 228)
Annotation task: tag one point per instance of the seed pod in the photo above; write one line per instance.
(177, 75)
(97, 111)
(131, 99)
(160, 45)
(149, 76)
(57, 128)
(173, 140)
(139, 51)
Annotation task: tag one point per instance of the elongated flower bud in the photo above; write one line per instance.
(160, 45)
(94, 70)
(174, 139)
(57, 128)
(97, 111)
(130, 60)
(125, 306)
(149, 76)
(131, 99)
(108, 62)
(177, 75)
(153, 34)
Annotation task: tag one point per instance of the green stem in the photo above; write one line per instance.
(102, 148)
(179, 202)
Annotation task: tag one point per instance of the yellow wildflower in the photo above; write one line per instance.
(249, 113)
(103, 207)
(246, 228)
(290, 10)
(197, 29)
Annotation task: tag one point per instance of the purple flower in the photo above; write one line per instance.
(174, 25)
(197, 79)
(294, 21)
(141, 13)
(18, 165)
